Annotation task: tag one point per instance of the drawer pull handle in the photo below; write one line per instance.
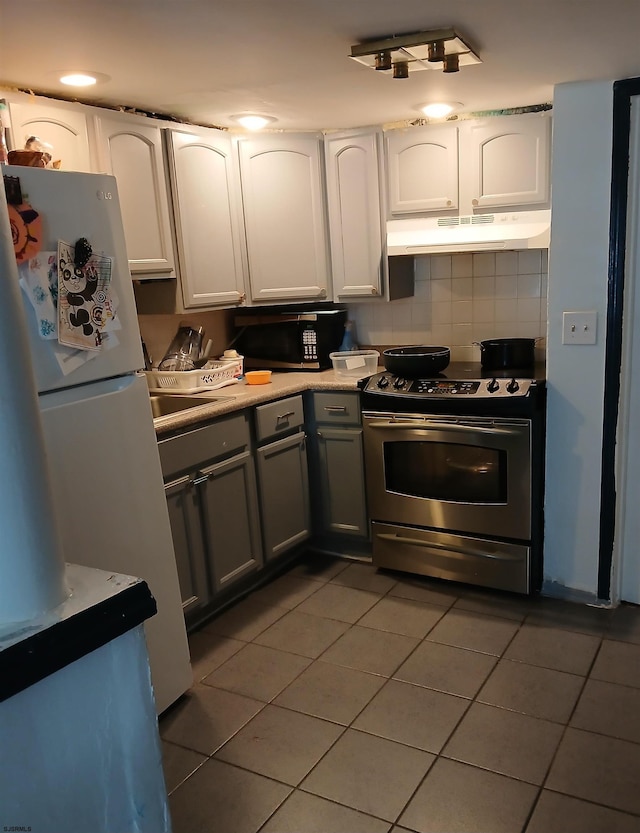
(285, 416)
(336, 409)
(198, 480)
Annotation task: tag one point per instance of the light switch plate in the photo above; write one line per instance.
(579, 327)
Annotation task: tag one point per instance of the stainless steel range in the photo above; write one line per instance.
(454, 471)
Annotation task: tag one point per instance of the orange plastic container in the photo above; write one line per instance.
(258, 377)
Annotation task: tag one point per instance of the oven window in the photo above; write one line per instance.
(446, 471)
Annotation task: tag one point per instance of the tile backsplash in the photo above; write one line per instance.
(461, 299)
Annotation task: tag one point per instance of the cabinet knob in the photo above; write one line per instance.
(474, 202)
(374, 291)
(449, 202)
(323, 293)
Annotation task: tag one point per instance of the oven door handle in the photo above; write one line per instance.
(461, 551)
(442, 426)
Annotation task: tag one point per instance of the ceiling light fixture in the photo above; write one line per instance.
(401, 69)
(451, 63)
(440, 109)
(383, 61)
(78, 79)
(435, 51)
(442, 49)
(253, 121)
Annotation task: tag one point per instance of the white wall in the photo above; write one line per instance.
(578, 256)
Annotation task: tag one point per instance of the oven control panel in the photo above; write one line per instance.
(491, 388)
(437, 388)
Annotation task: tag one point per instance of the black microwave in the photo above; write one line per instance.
(290, 340)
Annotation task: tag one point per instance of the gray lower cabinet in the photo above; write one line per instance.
(338, 465)
(283, 476)
(183, 501)
(211, 493)
(341, 486)
(230, 514)
(284, 494)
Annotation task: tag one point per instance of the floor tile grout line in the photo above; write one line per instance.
(388, 677)
(331, 801)
(591, 803)
(560, 741)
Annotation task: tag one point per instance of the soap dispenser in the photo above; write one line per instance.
(348, 342)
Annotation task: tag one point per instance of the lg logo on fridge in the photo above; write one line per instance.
(104, 195)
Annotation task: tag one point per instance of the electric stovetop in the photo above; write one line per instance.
(462, 387)
(462, 371)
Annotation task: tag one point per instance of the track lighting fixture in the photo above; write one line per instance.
(442, 49)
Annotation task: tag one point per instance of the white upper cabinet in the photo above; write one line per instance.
(422, 168)
(478, 164)
(207, 214)
(130, 148)
(283, 195)
(355, 217)
(62, 125)
(509, 160)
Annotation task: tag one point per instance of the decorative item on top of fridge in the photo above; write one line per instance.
(4, 152)
(35, 154)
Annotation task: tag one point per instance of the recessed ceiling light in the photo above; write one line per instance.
(253, 121)
(81, 78)
(78, 79)
(440, 109)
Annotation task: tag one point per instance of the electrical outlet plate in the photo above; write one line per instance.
(579, 327)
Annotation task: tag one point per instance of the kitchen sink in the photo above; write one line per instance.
(166, 404)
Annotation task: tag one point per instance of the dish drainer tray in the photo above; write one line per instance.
(215, 375)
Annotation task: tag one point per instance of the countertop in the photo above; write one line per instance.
(242, 395)
(100, 607)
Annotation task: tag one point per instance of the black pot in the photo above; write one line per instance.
(500, 353)
(413, 362)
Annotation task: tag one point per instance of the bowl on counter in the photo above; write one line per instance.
(258, 377)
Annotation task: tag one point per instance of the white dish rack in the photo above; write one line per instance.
(214, 375)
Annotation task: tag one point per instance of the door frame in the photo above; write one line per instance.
(623, 92)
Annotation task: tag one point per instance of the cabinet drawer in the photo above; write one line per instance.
(196, 448)
(336, 407)
(279, 417)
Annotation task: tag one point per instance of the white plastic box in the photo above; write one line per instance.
(355, 364)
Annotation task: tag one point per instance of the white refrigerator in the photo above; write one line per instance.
(97, 421)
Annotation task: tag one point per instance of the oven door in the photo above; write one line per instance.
(468, 475)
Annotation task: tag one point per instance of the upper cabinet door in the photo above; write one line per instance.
(205, 192)
(64, 126)
(282, 189)
(509, 159)
(130, 148)
(355, 221)
(422, 167)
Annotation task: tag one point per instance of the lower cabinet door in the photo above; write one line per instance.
(284, 494)
(183, 502)
(231, 520)
(341, 476)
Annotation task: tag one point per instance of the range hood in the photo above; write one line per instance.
(475, 233)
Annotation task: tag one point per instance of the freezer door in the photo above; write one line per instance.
(109, 496)
(73, 205)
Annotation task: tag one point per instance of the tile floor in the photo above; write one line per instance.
(338, 699)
